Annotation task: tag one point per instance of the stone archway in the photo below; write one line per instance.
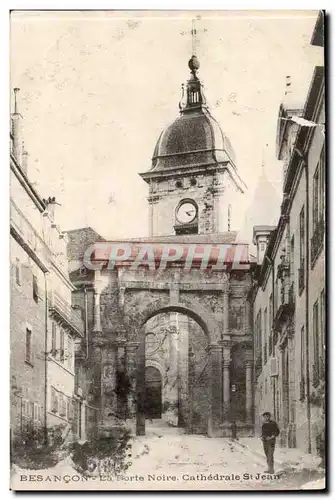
(208, 400)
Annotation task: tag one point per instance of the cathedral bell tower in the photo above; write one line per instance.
(193, 180)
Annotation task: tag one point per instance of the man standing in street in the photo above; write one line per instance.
(270, 431)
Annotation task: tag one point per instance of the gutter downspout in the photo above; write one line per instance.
(308, 390)
(46, 358)
(307, 313)
(272, 264)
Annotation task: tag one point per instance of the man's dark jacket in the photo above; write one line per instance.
(270, 429)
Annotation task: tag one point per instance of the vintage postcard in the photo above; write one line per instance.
(167, 250)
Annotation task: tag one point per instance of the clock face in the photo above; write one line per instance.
(186, 213)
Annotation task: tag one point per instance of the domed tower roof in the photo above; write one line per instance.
(195, 137)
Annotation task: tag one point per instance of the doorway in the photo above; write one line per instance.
(153, 393)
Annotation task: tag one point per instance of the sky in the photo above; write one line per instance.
(97, 88)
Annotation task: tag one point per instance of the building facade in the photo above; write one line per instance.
(44, 327)
(289, 293)
(181, 342)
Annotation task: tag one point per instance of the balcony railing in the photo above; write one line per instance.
(301, 277)
(65, 313)
(317, 240)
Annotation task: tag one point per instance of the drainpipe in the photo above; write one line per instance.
(46, 358)
(272, 264)
(308, 396)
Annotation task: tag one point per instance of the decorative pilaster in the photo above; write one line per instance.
(247, 318)
(215, 358)
(226, 310)
(97, 319)
(108, 385)
(140, 387)
(174, 288)
(191, 379)
(131, 354)
(97, 291)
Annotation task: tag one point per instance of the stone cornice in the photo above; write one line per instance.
(183, 287)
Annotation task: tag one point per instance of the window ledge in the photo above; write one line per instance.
(29, 363)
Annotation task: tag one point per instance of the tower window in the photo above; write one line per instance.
(193, 181)
(179, 184)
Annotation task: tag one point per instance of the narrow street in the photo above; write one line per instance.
(167, 459)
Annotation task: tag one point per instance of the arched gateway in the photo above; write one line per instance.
(189, 267)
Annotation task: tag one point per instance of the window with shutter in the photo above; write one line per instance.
(61, 346)
(62, 409)
(70, 353)
(53, 339)
(54, 400)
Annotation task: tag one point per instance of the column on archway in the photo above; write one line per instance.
(226, 355)
(215, 364)
(97, 292)
(170, 387)
(182, 324)
(108, 385)
(131, 365)
(140, 385)
(191, 380)
(122, 378)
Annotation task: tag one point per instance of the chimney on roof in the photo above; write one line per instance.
(16, 130)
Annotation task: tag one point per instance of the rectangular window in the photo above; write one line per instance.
(62, 405)
(35, 288)
(69, 408)
(316, 342)
(54, 400)
(28, 346)
(53, 339)
(69, 352)
(18, 272)
(61, 346)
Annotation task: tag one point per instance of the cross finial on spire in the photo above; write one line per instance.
(194, 32)
(194, 38)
